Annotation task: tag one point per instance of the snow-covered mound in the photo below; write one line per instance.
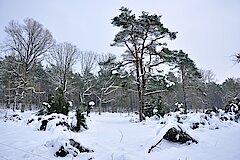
(172, 132)
(55, 121)
(50, 122)
(63, 147)
(59, 143)
(200, 120)
(17, 116)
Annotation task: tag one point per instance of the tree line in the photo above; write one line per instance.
(33, 65)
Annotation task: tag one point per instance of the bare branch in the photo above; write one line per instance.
(88, 61)
(62, 58)
(154, 92)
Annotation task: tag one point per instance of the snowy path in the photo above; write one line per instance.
(113, 137)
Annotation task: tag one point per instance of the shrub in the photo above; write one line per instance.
(58, 103)
(159, 109)
(81, 120)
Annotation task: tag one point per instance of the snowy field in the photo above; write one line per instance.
(117, 137)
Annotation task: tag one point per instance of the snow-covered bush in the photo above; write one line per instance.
(73, 122)
(199, 120)
(233, 107)
(50, 122)
(63, 147)
(13, 117)
(179, 107)
(159, 110)
(8, 115)
(155, 107)
(231, 111)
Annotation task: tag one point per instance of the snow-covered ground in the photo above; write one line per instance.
(114, 137)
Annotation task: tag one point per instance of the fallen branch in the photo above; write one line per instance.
(155, 145)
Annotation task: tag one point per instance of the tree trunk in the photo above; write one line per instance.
(64, 83)
(142, 87)
(9, 93)
(15, 100)
(100, 105)
(140, 92)
(141, 106)
(184, 90)
(23, 102)
(24, 92)
(128, 102)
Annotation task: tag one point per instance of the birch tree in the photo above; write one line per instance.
(143, 38)
(27, 42)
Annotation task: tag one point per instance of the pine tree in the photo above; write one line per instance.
(189, 73)
(142, 37)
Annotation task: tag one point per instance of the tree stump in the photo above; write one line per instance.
(179, 136)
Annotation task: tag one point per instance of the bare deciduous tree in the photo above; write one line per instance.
(88, 61)
(208, 76)
(62, 58)
(27, 42)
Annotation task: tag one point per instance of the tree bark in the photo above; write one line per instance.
(184, 90)
(140, 91)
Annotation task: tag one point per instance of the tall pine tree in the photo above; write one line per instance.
(189, 73)
(143, 38)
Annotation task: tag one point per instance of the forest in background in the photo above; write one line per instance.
(27, 82)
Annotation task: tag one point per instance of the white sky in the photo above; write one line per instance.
(208, 30)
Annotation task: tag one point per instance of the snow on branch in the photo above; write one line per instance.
(154, 92)
(34, 90)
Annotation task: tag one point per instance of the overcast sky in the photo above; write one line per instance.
(208, 30)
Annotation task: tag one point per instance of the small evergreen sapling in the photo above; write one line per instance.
(58, 103)
(159, 109)
(81, 121)
(155, 107)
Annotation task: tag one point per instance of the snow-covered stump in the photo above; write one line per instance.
(172, 133)
(179, 136)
